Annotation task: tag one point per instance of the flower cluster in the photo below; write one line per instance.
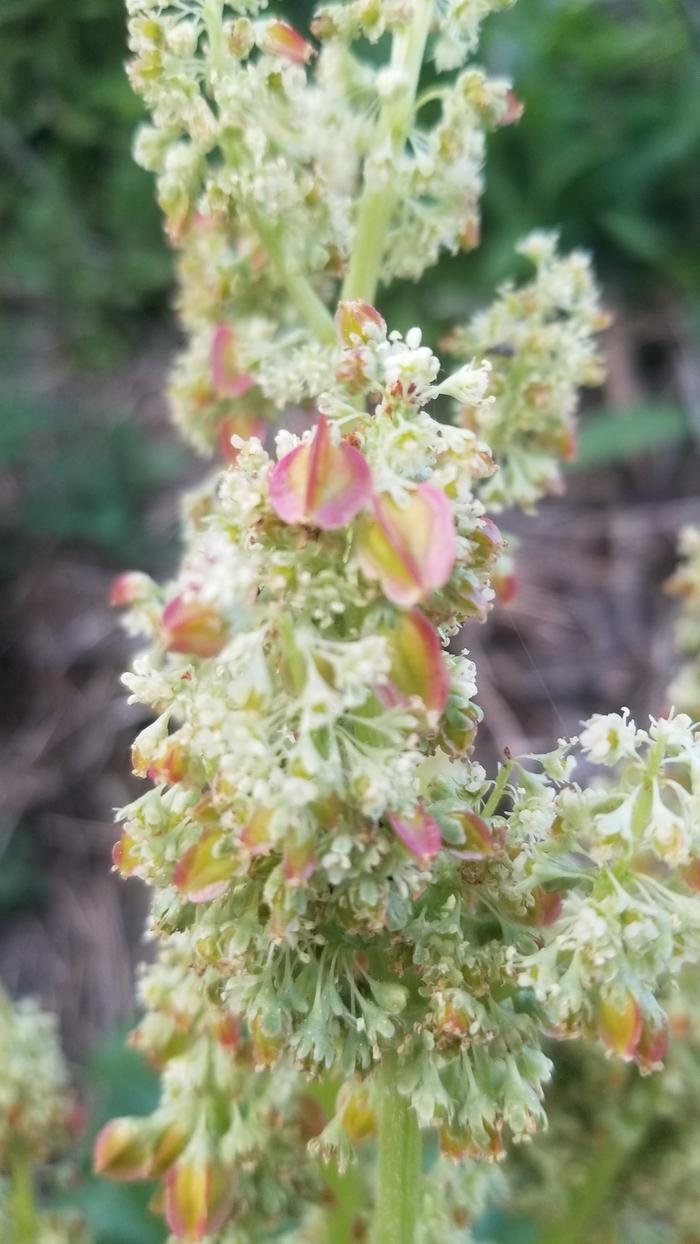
(226, 1143)
(625, 935)
(232, 1143)
(37, 1119)
(317, 827)
(540, 339)
(272, 152)
(685, 583)
(301, 682)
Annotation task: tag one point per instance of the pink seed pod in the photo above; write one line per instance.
(203, 874)
(418, 666)
(128, 588)
(122, 1150)
(419, 833)
(653, 1044)
(227, 377)
(192, 628)
(199, 1194)
(410, 548)
(281, 39)
(243, 425)
(357, 322)
(620, 1024)
(319, 483)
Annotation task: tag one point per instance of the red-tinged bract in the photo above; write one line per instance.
(410, 548)
(418, 666)
(620, 1024)
(420, 834)
(228, 378)
(319, 483)
(192, 628)
(204, 873)
(281, 39)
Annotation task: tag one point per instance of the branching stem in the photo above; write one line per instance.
(399, 1174)
(393, 127)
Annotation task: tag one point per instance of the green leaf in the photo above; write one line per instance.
(615, 436)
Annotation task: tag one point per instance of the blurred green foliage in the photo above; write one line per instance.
(81, 233)
(118, 1082)
(22, 879)
(612, 436)
(609, 144)
(79, 478)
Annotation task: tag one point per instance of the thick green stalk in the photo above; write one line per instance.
(395, 120)
(399, 1174)
(23, 1214)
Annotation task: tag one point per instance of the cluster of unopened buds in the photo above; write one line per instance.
(342, 895)
(39, 1118)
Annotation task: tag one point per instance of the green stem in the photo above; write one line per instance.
(213, 15)
(395, 120)
(399, 1176)
(300, 290)
(23, 1213)
(496, 795)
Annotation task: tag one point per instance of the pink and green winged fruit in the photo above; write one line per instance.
(319, 483)
(192, 628)
(199, 1194)
(409, 548)
(478, 838)
(122, 1151)
(228, 377)
(545, 909)
(620, 1024)
(459, 1143)
(418, 665)
(356, 1112)
(298, 861)
(243, 425)
(131, 1149)
(170, 764)
(124, 856)
(281, 39)
(129, 588)
(419, 833)
(205, 871)
(358, 325)
(653, 1043)
(357, 322)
